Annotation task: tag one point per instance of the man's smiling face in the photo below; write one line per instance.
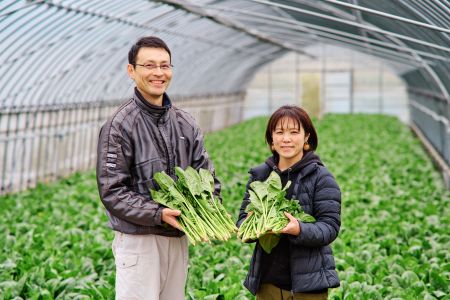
(151, 83)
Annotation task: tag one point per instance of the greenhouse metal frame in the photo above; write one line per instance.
(63, 66)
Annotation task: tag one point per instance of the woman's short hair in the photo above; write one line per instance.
(300, 116)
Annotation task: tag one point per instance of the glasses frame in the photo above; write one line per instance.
(156, 67)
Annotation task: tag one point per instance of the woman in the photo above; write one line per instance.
(301, 266)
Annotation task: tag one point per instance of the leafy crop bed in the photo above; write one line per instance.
(393, 243)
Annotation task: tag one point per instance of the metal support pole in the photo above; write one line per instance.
(323, 95)
(380, 89)
(352, 82)
(297, 80)
(352, 90)
(270, 96)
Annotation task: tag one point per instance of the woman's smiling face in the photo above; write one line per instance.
(288, 140)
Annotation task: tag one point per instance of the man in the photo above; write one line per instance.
(144, 136)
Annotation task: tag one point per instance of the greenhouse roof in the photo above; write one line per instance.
(67, 51)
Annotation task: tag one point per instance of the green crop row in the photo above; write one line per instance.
(393, 243)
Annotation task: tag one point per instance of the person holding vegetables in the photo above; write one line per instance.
(301, 265)
(147, 135)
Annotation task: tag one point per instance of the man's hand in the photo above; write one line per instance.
(293, 227)
(169, 216)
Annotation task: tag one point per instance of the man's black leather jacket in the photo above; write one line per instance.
(137, 141)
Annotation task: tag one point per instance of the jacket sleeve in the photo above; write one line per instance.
(245, 202)
(326, 210)
(114, 161)
(201, 158)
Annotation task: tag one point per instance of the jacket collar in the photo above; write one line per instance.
(309, 162)
(153, 110)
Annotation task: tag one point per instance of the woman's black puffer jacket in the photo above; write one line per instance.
(311, 260)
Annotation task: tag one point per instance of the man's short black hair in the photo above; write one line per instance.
(146, 41)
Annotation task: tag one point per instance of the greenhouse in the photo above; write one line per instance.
(374, 76)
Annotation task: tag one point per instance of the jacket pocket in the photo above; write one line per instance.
(126, 261)
(144, 172)
(146, 169)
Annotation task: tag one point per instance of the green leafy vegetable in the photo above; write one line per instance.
(395, 219)
(203, 216)
(266, 210)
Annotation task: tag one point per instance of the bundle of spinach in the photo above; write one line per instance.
(203, 216)
(266, 209)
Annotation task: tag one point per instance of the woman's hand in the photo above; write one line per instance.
(293, 227)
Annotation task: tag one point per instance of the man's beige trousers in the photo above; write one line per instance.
(150, 267)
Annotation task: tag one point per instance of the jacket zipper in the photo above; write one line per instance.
(170, 170)
(294, 196)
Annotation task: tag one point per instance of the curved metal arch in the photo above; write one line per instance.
(167, 39)
(126, 16)
(31, 72)
(94, 90)
(239, 72)
(11, 27)
(96, 7)
(186, 72)
(89, 71)
(50, 38)
(28, 23)
(192, 55)
(226, 67)
(202, 67)
(370, 28)
(83, 73)
(158, 10)
(424, 15)
(391, 35)
(80, 14)
(405, 29)
(61, 49)
(390, 16)
(213, 58)
(5, 12)
(197, 24)
(320, 30)
(4, 80)
(77, 65)
(432, 74)
(47, 60)
(37, 33)
(323, 36)
(89, 89)
(420, 8)
(418, 32)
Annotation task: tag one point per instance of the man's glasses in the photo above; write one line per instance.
(163, 67)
